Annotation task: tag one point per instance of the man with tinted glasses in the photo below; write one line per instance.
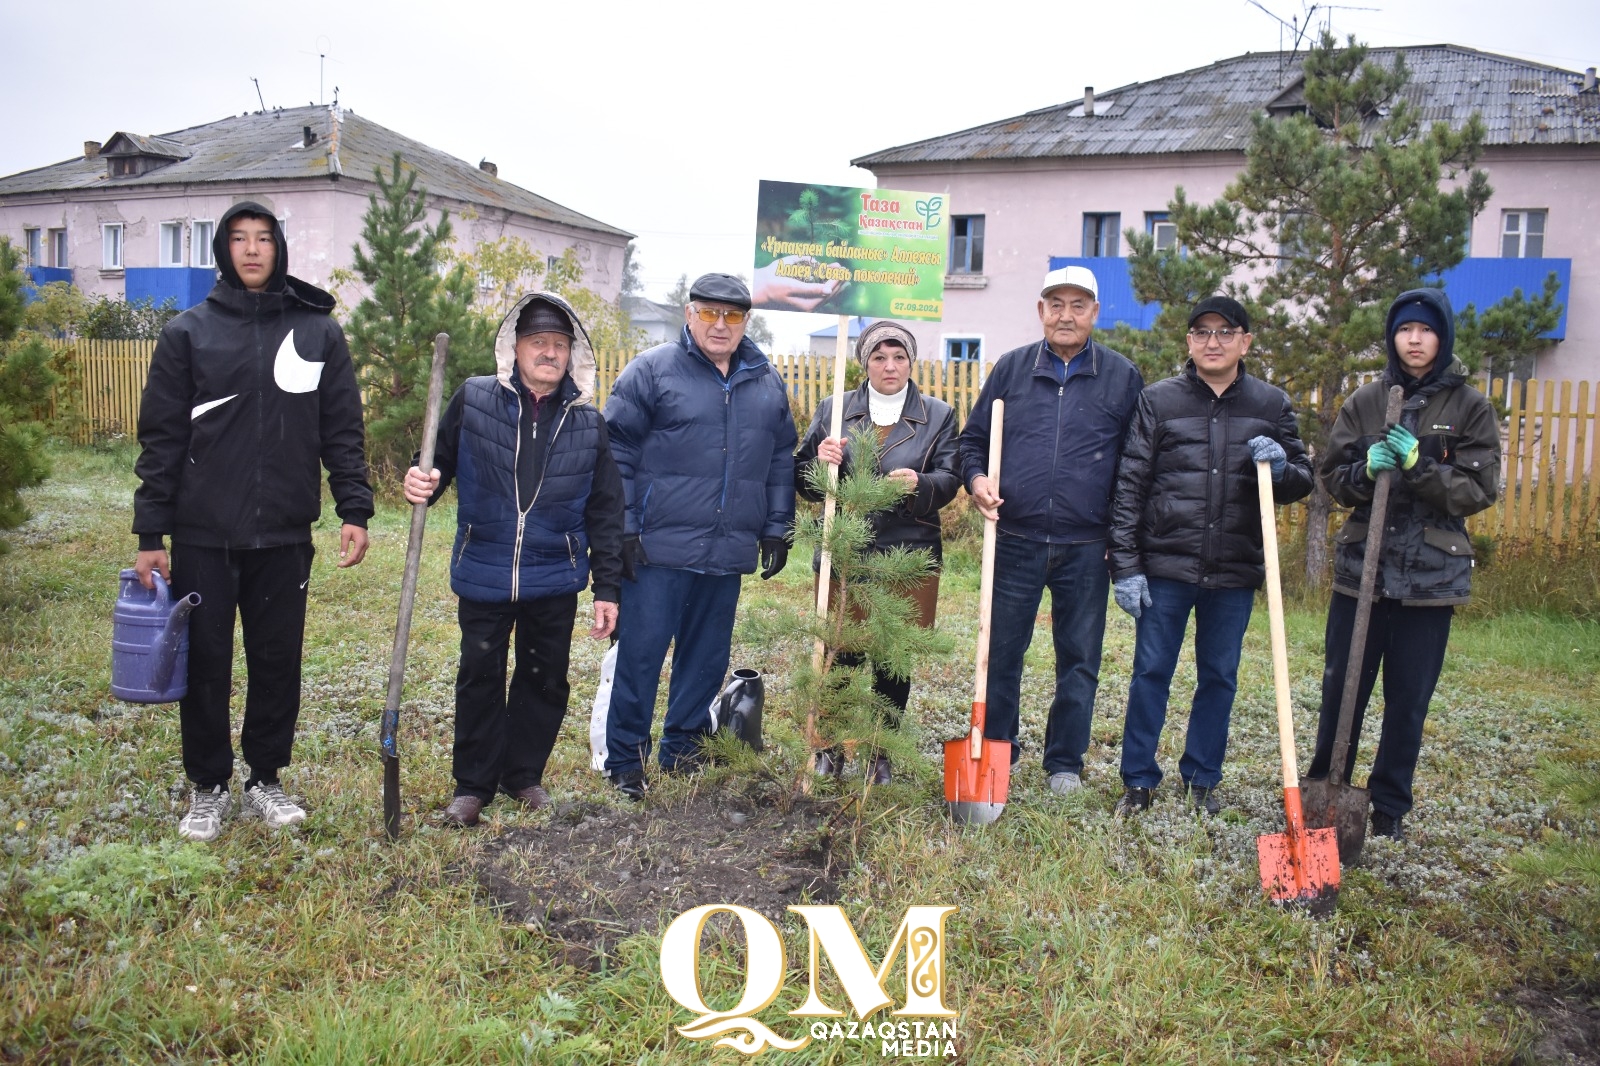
(701, 431)
(1186, 538)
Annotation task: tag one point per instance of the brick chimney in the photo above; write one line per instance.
(91, 149)
(488, 168)
(1088, 101)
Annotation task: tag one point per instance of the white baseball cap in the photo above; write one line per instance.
(1076, 276)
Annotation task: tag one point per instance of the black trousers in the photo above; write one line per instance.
(1409, 643)
(266, 589)
(504, 740)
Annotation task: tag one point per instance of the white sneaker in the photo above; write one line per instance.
(1064, 782)
(267, 802)
(206, 813)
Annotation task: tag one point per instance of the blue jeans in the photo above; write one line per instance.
(1078, 581)
(1220, 618)
(692, 612)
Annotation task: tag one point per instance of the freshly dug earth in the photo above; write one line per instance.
(595, 874)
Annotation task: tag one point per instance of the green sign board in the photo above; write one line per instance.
(880, 253)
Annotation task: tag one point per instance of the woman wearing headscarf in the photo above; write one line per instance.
(917, 447)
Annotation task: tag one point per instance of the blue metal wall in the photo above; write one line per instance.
(186, 286)
(38, 276)
(1480, 282)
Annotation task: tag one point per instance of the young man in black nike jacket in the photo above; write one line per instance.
(250, 394)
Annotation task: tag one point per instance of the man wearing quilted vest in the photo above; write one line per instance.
(539, 512)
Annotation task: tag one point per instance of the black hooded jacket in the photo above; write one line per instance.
(249, 395)
(1427, 555)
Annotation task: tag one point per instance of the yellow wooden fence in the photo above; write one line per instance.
(1551, 432)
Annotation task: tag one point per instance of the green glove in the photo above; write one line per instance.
(1380, 457)
(1404, 446)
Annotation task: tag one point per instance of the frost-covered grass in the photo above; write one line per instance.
(1079, 939)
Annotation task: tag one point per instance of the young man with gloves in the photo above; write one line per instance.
(701, 430)
(539, 511)
(1186, 537)
(250, 394)
(1445, 454)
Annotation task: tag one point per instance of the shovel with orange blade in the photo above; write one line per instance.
(1300, 865)
(978, 771)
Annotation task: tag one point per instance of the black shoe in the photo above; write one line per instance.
(1133, 801)
(878, 771)
(1387, 825)
(1205, 799)
(630, 784)
(830, 762)
(689, 764)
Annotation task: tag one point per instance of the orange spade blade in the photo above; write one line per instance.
(975, 789)
(1303, 869)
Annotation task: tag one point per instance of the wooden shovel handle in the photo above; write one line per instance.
(1378, 515)
(980, 687)
(1280, 644)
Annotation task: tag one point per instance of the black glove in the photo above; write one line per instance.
(774, 553)
(632, 552)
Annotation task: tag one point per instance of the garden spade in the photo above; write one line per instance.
(1300, 864)
(1333, 801)
(977, 771)
(408, 595)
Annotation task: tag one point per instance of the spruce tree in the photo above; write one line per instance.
(26, 381)
(413, 292)
(867, 615)
(1338, 210)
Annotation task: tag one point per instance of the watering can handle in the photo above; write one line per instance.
(163, 594)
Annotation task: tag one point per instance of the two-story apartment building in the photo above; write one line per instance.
(1061, 184)
(134, 216)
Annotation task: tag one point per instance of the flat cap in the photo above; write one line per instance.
(721, 288)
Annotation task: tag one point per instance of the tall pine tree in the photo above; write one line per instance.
(413, 292)
(1338, 210)
(26, 381)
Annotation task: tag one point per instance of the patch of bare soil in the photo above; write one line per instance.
(1568, 1025)
(597, 874)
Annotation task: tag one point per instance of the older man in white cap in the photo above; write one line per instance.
(1068, 404)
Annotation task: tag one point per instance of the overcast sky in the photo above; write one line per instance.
(661, 117)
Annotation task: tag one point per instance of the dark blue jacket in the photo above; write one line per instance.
(539, 500)
(1062, 440)
(707, 462)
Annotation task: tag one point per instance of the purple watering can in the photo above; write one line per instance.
(150, 642)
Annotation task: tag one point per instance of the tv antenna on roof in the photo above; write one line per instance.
(1299, 25)
(258, 95)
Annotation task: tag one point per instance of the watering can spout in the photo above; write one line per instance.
(165, 652)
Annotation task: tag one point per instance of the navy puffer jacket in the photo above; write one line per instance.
(707, 462)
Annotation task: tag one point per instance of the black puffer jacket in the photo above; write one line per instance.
(249, 395)
(1427, 555)
(1185, 507)
(924, 440)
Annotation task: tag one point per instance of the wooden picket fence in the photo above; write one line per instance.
(1550, 491)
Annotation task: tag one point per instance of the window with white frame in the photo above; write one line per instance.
(200, 234)
(34, 239)
(1522, 234)
(1159, 225)
(1101, 234)
(966, 244)
(963, 349)
(170, 254)
(111, 246)
(58, 249)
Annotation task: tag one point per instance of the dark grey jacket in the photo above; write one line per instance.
(923, 440)
(1427, 555)
(1186, 507)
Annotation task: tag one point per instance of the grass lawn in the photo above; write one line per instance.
(1080, 939)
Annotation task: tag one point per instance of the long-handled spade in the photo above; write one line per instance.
(977, 772)
(1299, 865)
(1333, 801)
(408, 595)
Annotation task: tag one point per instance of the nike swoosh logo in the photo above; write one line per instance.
(201, 409)
(292, 373)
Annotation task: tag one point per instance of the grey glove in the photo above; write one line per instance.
(1265, 449)
(1132, 593)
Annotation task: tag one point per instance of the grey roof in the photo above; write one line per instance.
(269, 146)
(1208, 109)
(133, 144)
(641, 310)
